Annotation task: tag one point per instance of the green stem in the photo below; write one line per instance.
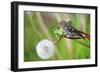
(56, 40)
(83, 44)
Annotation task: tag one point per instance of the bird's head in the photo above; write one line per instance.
(66, 23)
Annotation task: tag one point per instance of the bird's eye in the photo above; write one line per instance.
(68, 20)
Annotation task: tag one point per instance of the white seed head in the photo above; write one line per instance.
(45, 49)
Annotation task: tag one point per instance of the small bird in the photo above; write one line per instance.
(71, 32)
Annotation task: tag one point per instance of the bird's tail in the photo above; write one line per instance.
(87, 36)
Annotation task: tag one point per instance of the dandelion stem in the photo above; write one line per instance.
(56, 40)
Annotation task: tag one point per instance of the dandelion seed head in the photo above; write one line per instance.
(45, 49)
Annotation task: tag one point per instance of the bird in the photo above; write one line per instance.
(71, 32)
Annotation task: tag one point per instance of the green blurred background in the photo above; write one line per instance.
(40, 25)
